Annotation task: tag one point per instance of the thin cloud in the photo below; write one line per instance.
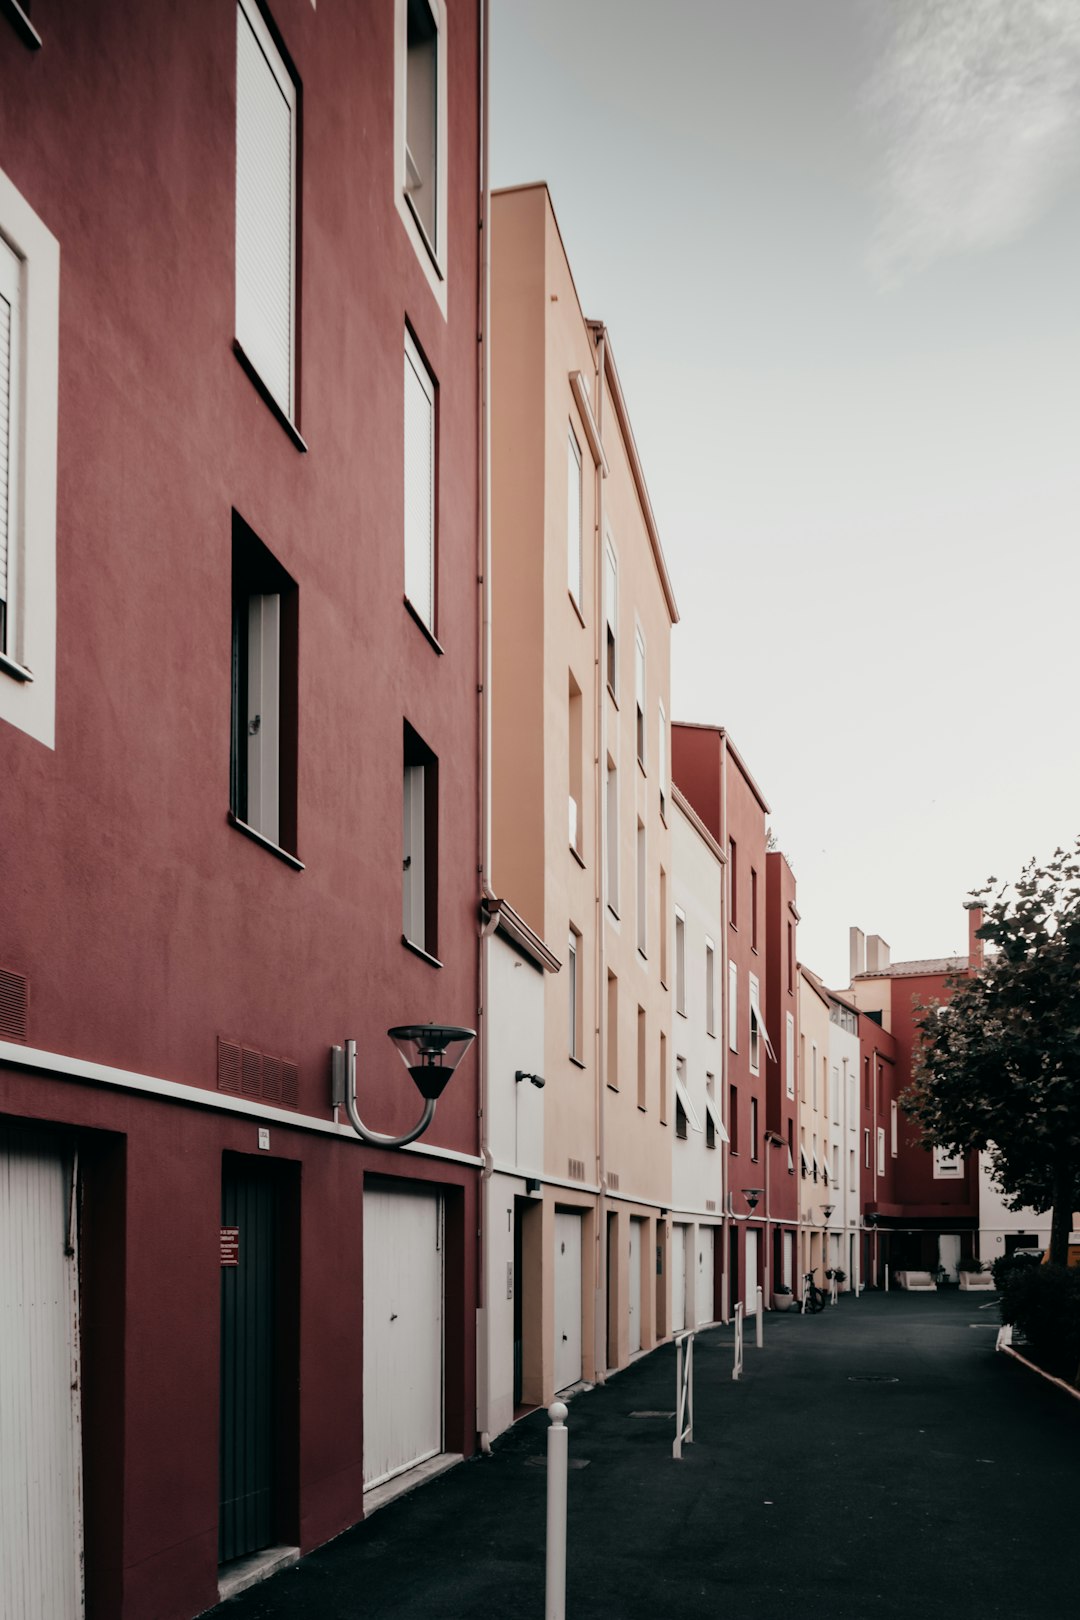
(978, 105)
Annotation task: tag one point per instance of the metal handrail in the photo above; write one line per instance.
(684, 1392)
(736, 1371)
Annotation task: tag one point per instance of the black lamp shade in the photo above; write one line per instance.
(431, 1053)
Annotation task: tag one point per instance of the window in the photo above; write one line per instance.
(573, 989)
(264, 686)
(18, 15)
(789, 1054)
(836, 1095)
(866, 1147)
(881, 1150)
(680, 1117)
(612, 852)
(710, 988)
(813, 1077)
(836, 1165)
(612, 1031)
(852, 1097)
(791, 1146)
(733, 1117)
(753, 910)
(663, 1078)
(29, 335)
(663, 928)
(420, 146)
(642, 891)
(733, 1006)
(575, 748)
(266, 193)
(790, 957)
(710, 1110)
(680, 962)
(948, 1164)
(733, 883)
(866, 1082)
(852, 1183)
(662, 762)
(755, 1027)
(642, 1059)
(754, 1128)
(573, 518)
(420, 857)
(639, 696)
(419, 487)
(893, 1130)
(611, 620)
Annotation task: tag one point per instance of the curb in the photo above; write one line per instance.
(1007, 1349)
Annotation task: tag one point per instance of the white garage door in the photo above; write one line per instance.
(706, 1259)
(403, 1330)
(634, 1281)
(678, 1277)
(40, 1441)
(567, 1300)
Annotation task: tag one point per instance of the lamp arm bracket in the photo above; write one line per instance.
(348, 1097)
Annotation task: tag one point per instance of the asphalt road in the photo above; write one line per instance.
(876, 1462)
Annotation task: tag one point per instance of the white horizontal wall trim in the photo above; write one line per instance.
(103, 1074)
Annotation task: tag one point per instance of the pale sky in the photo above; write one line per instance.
(837, 247)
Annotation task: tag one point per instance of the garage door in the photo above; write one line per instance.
(750, 1297)
(678, 1277)
(403, 1330)
(567, 1300)
(40, 1449)
(634, 1281)
(706, 1261)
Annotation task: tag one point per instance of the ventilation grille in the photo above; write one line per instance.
(613, 1180)
(710, 1204)
(576, 1169)
(243, 1071)
(13, 1001)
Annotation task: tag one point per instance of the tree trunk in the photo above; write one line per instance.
(1061, 1217)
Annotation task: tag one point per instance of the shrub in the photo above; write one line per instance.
(1043, 1302)
(968, 1262)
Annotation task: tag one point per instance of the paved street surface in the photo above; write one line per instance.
(878, 1460)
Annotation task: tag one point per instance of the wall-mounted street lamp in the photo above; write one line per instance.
(826, 1210)
(430, 1052)
(752, 1194)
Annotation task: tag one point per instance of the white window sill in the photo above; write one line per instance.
(424, 237)
(267, 843)
(418, 950)
(576, 605)
(21, 23)
(578, 856)
(18, 672)
(418, 619)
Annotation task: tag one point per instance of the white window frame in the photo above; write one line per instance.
(893, 1129)
(432, 256)
(866, 1146)
(881, 1150)
(680, 961)
(573, 962)
(733, 1006)
(710, 987)
(263, 726)
(611, 831)
(575, 546)
(414, 844)
(250, 327)
(948, 1166)
(836, 1094)
(789, 1053)
(662, 761)
(755, 1026)
(420, 571)
(640, 745)
(611, 617)
(642, 853)
(28, 667)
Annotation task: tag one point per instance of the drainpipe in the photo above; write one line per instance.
(599, 334)
(483, 574)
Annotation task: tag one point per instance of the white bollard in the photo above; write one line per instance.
(558, 1441)
(886, 1279)
(759, 1327)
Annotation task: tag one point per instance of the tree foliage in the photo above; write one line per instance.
(999, 1065)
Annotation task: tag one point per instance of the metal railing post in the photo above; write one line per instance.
(759, 1326)
(558, 1440)
(684, 1394)
(736, 1371)
(886, 1279)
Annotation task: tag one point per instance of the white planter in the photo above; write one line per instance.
(977, 1282)
(782, 1302)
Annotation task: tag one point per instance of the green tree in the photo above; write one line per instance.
(999, 1065)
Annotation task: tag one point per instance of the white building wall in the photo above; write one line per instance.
(697, 1171)
(514, 1137)
(843, 1132)
(995, 1221)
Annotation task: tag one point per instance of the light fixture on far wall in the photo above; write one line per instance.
(752, 1194)
(430, 1052)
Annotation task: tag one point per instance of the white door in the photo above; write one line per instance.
(949, 1253)
(706, 1259)
(41, 1445)
(678, 1278)
(635, 1285)
(750, 1295)
(788, 1253)
(567, 1300)
(403, 1330)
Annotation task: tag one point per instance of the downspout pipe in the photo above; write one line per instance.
(600, 1349)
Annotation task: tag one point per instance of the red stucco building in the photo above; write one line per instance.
(240, 294)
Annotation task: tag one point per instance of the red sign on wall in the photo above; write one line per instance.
(230, 1245)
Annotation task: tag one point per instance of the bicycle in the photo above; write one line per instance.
(813, 1297)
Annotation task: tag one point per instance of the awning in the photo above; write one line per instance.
(790, 1160)
(714, 1115)
(805, 1160)
(755, 1012)
(687, 1106)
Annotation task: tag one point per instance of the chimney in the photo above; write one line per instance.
(975, 946)
(856, 951)
(877, 954)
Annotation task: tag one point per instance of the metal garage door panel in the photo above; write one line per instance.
(635, 1285)
(706, 1253)
(567, 1300)
(678, 1278)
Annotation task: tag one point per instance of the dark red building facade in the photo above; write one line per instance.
(261, 262)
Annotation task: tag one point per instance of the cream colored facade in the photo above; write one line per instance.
(815, 1191)
(582, 612)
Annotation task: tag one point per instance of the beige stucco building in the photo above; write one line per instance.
(815, 1191)
(582, 611)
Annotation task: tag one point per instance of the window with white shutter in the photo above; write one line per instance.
(29, 369)
(573, 517)
(419, 486)
(266, 191)
(420, 845)
(422, 39)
